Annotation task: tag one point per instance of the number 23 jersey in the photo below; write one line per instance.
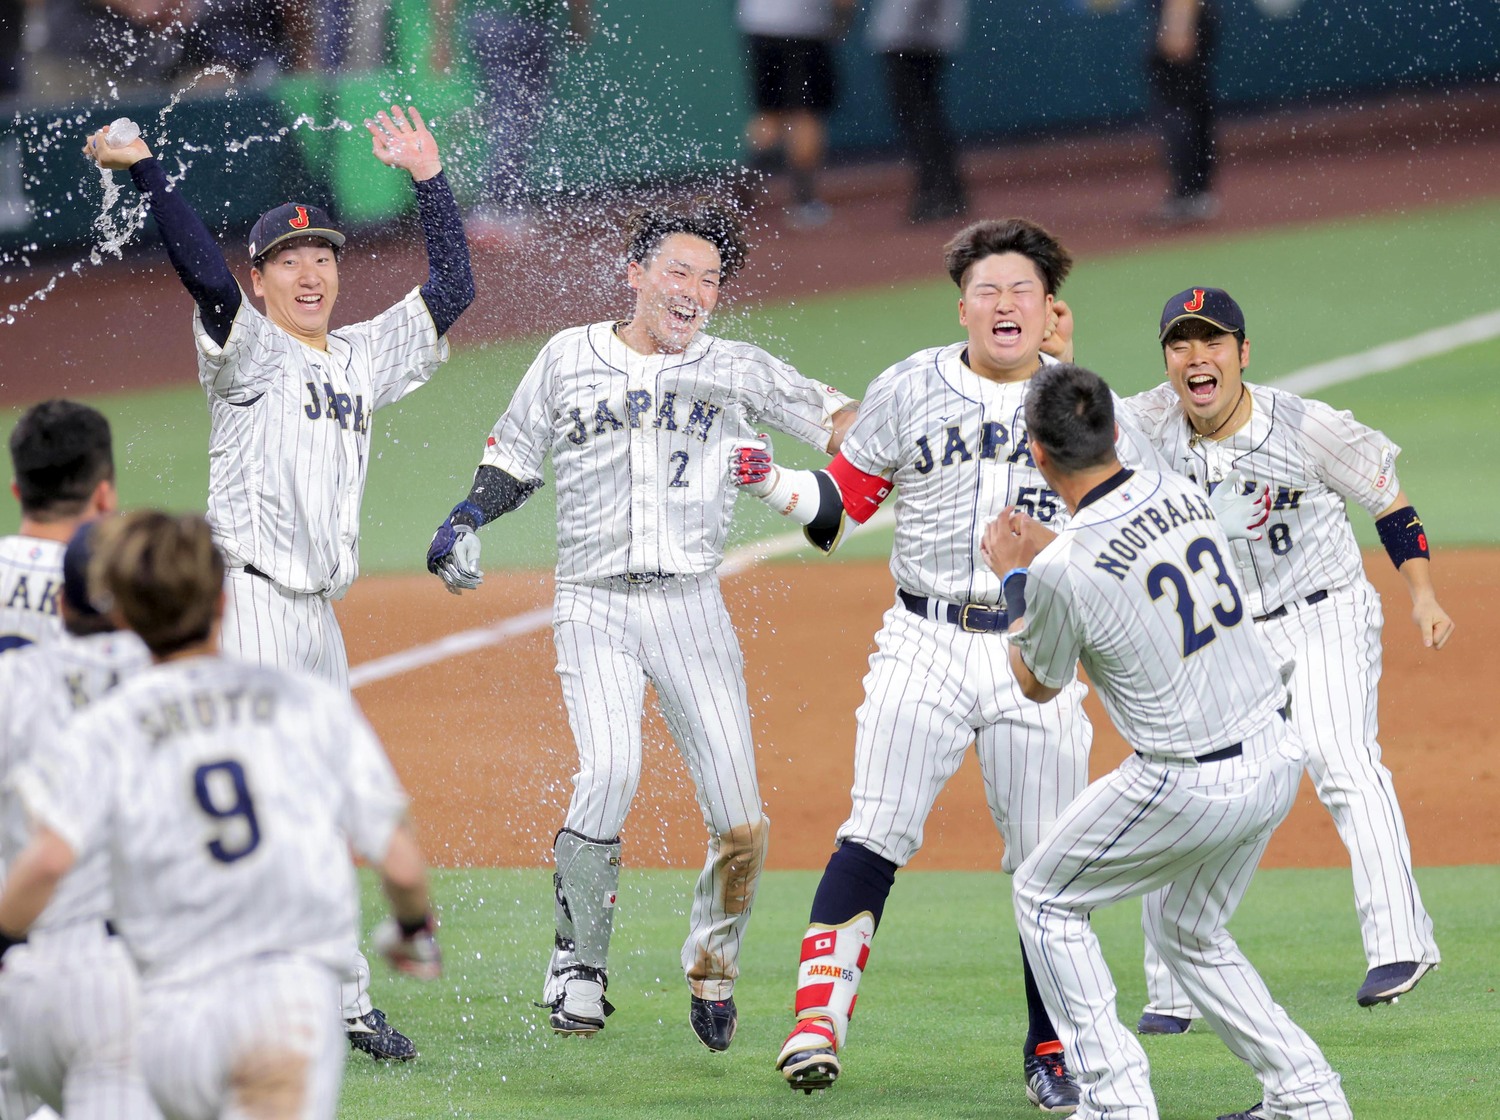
(228, 796)
(1315, 459)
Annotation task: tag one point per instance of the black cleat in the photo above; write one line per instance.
(372, 1035)
(713, 1021)
(809, 1059)
(1049, 1085)
(1256, 1111)
(1387, 981)
(1152, 1023)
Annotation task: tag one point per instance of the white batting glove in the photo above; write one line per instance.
(416, 955)
(459, 570)
(1240, 515)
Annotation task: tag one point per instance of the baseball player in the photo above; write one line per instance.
(1140, 587)
(290, 404)
(228, 796)
(69, 998)
(639, 417)
(1309, 599)
(64, 475)
(945, 430)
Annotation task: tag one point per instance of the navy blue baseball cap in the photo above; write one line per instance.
(76, 557)
(295, 219)
(1212, 305)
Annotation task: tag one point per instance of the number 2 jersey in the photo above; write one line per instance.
(1315, 459)
(955, 446)
(228, 796)
(1141, 589)
(640, 444)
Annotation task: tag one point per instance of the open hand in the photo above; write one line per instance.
(401, 139)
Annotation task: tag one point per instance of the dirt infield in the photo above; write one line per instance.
(483, 743)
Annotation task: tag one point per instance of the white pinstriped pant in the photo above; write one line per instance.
(265, 624)
(70, 1003)
(933, 689)
(268, 1011)
(1188, 837)
(612, 637)
(1336, 647)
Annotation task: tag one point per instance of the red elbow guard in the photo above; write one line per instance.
(862, 493)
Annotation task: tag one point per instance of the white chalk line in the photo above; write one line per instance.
(1380, 359)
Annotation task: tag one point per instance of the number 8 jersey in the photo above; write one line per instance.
(1314, 458)
(228, 796)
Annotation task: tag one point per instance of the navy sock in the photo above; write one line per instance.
(855, 880)
(1039, 1028)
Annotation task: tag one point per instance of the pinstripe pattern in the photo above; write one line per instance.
(30, 582)
(68, 999)
(265, 624)
(1185, 835)
(1316, 461)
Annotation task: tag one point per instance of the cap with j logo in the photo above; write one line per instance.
(1212, 305)
(295, 219)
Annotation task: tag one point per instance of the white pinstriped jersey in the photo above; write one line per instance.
(30, 582)
(640, 444)
(40, 690)
(1314, 457)
(228, 796)
(289, 436)
(955, 445)
(1141, 585)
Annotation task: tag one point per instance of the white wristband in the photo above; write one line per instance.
(795, 495)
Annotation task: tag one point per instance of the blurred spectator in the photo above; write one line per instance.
(915, 39)
(12, 27)
(795, 88)
(91, 46)
(1179, 71)
(511, 47)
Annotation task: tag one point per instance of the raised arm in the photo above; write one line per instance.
(401, 138)
(190, 247)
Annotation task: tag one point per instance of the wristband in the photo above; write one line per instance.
(1013, 589)
(411, 929)
(1403, 536)
(467, 513)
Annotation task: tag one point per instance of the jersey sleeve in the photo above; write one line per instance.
(1132, 446)
(522, 436)
(1050, 641)
(873, 442)
(1356, 461)
(776, 394)
(68, 787)
(249, 361)
(374, 802)
(405, 348)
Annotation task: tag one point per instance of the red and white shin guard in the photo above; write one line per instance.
(833, 959)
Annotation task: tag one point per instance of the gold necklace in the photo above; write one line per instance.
(1198, 437)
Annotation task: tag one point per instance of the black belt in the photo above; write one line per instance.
(252, 570)
(973, 618)
(1280, 612)
(1234, 750)
(646, 577)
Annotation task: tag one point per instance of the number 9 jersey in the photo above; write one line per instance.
(228, 796)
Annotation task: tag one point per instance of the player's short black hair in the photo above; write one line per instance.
(1071, 412)
(703, 217)
(972, 244)
(60, 452)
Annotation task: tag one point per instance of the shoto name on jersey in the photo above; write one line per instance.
(1153, 521)
(637, 403)
(205, 711)
(992, 437)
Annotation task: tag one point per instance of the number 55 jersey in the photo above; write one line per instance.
(227, 796)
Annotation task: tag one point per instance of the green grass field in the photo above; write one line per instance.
(941, 1011)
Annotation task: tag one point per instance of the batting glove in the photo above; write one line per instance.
(415, 953)
(750, 466)
(1240, 515)
(453, 555)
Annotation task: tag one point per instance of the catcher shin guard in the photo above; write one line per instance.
(585, 884)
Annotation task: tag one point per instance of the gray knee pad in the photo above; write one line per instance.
(585, 883)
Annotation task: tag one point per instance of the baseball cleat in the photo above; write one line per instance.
(1387, 981)
(1049, 1085)
(714, 1021)
(1152, 1023)
(582, 1007)
(372, 1035)
(809, 1060)
(1256, 1111)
